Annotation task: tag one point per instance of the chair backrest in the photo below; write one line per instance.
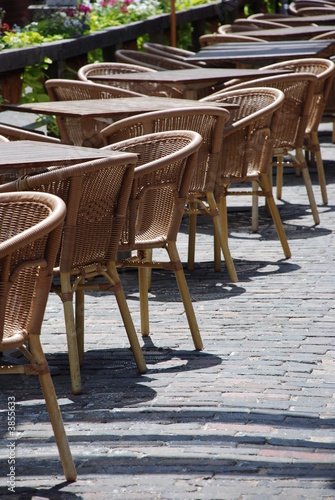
(167, 51)
(160, 63)
(74, 90)
(96, 194)
(208, 121)
(226, 29)
(329, 35)
(30, 232)
(315, 11)
(264, 24)
(294, 114)
(113, 69)
(207, 40)
(75, 130)
(109, 69)
(324, 70)
(161, 183)
(247, 143)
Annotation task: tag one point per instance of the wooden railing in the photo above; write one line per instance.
(110, 39)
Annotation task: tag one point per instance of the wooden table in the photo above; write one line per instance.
(104, 109)
(190, 81)
(289, 33)
(257, 54)
(30, 155)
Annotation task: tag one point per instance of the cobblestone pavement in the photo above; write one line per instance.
(250, 417)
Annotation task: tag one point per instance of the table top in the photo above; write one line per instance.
(189, 77)
(105, 108)
(290, 33)
(16, 155)
(260, 52)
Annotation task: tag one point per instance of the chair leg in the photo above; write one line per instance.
(126, 318)
(254, 208)
(319, 166)
(185, 295)
(80, 323)
(279, 175)
(144, 300)
(308, 183)
(53, 409)
(267, 188)
(149, 270)
(223, 240)
(192, 228)
(70, 326)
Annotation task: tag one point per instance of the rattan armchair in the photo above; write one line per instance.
(30, 234)
(96, 194)
(167, 51)
(77, 131)
(247, 148)
(113, 69)
(293, 118)
(227, 29)
(109, 69)
(263, 24)
(212, 39)
(152, 61)
(324, 70)
(209, 122)
(161, 183)
(297, 7)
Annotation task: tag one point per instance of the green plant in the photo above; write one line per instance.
(33, 90)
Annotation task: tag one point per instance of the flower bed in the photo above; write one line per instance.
(53, 24)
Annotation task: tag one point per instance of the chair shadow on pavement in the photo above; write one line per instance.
(26, 493)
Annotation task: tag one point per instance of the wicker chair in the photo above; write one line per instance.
(113, 69)
(293, 118)
(247, 148)
(324, 70)
(30, 235)
(329, 35)
(209, 122)
(152, 61)
(294, 8)
(96, 194)
(167, 51)
(156, 208)
(315, 11)
(212, 39)
(228, 29)
(75, 130)
(264, 24)
(109, 69)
